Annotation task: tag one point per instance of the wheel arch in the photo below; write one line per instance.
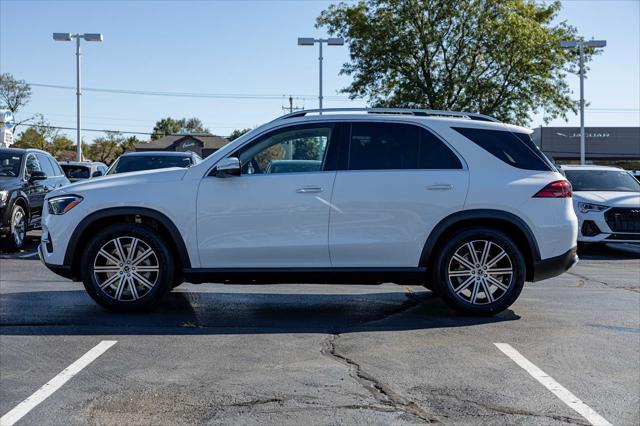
(23, 202)
(501, 220)
(101, 218)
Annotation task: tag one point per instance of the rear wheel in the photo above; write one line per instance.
(127, 267)
(479, 272)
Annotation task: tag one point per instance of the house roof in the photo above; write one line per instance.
(207, 140)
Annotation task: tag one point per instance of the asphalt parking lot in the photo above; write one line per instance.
(294, 354)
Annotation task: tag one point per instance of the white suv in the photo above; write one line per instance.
(463, 204)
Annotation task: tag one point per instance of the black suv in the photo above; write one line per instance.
(26, 176)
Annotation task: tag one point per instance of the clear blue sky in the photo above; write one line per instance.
(242, 47)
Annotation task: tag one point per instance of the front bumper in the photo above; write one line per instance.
(5, 228)
(610, 227)
(554, 266)
(62, 270)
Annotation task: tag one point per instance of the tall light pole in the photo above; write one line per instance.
(77, 37)
(580, 44)
(310, 41)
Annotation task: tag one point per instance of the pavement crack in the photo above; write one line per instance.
(381, 392)
(584, 278)
(507, 411)
(254, 402)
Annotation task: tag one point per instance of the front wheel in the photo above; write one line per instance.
(479, 272)
(17, 228)
(127, 267)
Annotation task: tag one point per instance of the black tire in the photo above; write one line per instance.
(15, 241)
(161, 257)
(500, 298)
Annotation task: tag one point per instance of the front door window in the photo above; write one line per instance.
(298, 150)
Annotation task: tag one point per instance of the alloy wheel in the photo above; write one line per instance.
(126, 268)
(480, 272)
(18, 227)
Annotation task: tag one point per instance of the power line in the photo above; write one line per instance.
(186, 94)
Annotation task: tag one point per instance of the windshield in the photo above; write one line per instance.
(10, 164)
(602, 180)
(136, 163)
(76, 172)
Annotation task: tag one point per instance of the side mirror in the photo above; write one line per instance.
(37, 175)
(97, 173)
(230, 166)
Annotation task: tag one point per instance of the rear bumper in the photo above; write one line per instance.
(62, 270)
(554, 266)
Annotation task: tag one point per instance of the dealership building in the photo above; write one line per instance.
(203, 144)
(601, 143)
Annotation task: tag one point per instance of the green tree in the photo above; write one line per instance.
(31, 138)
(496, 57)
(237, 133)
(193, 125)
(166, 126)
(129, 144)
(60, 143)
(106, 148)
(309, 148)
(41, 135)
(171, 126)
(14, 94)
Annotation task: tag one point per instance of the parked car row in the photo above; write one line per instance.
(606, 199)
(28, 175)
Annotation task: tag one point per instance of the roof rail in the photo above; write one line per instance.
(404, 111)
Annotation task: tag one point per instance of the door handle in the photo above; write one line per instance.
(309, 190)
(440, 187)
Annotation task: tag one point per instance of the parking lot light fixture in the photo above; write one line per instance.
(310, 41)
(86, 37)
(581, 44)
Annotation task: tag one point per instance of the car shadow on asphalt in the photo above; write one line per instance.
(186, 313)
(609, 251)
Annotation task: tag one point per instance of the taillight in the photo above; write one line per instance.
(557, 189)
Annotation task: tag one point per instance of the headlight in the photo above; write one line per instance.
(4, 196)
(63, 203)
(589, 207)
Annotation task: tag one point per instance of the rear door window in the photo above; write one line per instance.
(47, 168)
(394, 146)
(383, 146)
(57, 171)
(507, 147)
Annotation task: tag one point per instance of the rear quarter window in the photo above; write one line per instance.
(506, 146)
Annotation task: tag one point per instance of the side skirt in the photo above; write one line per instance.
(305, 275)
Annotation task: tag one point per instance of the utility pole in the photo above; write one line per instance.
(290, 108)
(289, 147)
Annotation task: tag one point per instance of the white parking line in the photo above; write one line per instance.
(54, 384)
(556, 388)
